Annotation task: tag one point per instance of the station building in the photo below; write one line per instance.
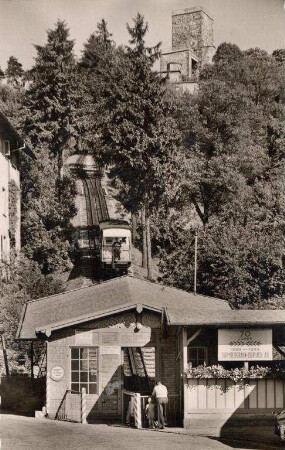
(113, 340)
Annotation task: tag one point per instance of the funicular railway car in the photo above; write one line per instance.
(86, 241)
(115, 245)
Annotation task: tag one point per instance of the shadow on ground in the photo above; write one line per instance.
(238, 443)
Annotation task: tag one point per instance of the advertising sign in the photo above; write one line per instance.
(245, 344)
(57, 373)
(110, 350)
(83, 338)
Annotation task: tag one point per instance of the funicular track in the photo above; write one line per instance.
(96, 207)
(137, 378)
(96, 211)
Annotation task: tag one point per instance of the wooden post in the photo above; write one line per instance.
(5, 356)
(134, 227)
(148, 246)
(83, 406)
(137, 411)
(32, 360)
(144, 243)
(195, 262)
(185, 367)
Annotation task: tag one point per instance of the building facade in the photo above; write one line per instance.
(11, 144)
(113, 340)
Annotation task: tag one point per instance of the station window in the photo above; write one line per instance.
(197, 356)
(84, 369)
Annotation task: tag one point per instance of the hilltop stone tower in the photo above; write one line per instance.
(192, 45)
(192, 28)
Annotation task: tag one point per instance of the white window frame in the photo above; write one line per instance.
(79, 370)
(197, 347)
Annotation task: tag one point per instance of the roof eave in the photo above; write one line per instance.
(225, 324)
(93, 316)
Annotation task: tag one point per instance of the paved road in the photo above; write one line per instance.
(23, 433)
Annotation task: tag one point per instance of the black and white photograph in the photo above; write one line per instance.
(142, 227)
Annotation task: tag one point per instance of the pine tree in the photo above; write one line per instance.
(14, 72)
(49, 124)
(95, 66)
(95, 49)
(52, 97)
(139, 137)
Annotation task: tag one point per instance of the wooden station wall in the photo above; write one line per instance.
(109, 336)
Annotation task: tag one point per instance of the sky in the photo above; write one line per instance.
(247, 23)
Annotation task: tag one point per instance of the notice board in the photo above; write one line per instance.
(245, 344)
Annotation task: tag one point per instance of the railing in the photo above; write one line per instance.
(70, 408)
(134, 409)
(224, 394)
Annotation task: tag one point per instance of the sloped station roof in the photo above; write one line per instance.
(126, 293)
(240, 317)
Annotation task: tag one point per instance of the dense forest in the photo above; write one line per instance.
(209, 163)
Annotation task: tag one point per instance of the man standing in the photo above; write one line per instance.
(116, 250)
(160, 394)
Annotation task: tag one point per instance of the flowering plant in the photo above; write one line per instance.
(237, 374)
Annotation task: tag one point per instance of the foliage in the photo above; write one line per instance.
(227, 53)
(47, 206)
(279, 55)
(51, 97)
(50, 126)
(237, 374)
(139, 136)
(14, 72)
(11, 100)
(26, 282)
(95, 67)
(96, 47)
(232, 172)
(14, 194)
(243, 262)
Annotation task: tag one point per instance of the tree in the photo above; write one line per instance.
(232, 176)
(49, 124)
(26, 283)
(51, 98)
(227, 128)
(47, 207)
(279, 55)
(95, 67)
(96, 47)
(139, 136)
(11, 101)
(227, 53)
(14, 72)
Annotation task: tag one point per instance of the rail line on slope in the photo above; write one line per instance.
(96, 206)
